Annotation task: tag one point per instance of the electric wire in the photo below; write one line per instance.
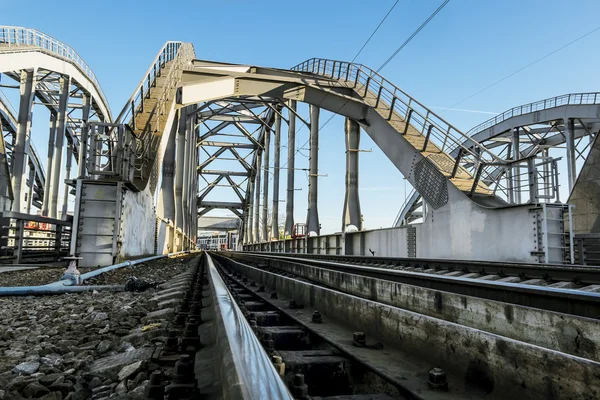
(521, 69)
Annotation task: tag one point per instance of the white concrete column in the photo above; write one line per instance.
(83, 142)
(51, 139)
(289, 204)
(67, 176)
(256, 231)
(179, 168)
(516, 168)
(570, 141)
(19, 162)
(61, 125)
(351, 218)
(312, 223)
(276, 158)
(265, 205)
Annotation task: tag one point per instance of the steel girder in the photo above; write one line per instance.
(233, 132)
(540, 127)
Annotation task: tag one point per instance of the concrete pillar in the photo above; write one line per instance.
(276, 158)
(31, 180)
(166, 195)
(289, 204)
(51, 139)
(516, 168)
(19, 162)
(312, 220)
(61, 125)
(533, 180)
(570, 141)
(351, 218)
(67, 176)
(179, 169)
(83, 150)
(250, 213)
(265, 205)
(509, 177)
(185, 195)
(256, 231)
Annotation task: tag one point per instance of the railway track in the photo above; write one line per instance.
(507, 346)
(569, 290)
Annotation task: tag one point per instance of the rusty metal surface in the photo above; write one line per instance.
(246, 370)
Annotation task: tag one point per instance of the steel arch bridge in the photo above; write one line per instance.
(491, 193)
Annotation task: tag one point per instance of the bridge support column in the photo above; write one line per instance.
(166, 196)
(30, 190)
(83, 150)
(256, 230)
(67, 176)
(351, 218)
(179, 173)
(250, 213)
(312, 223)
(533, 181)
(289, 205)
(186, 178)
(61, 124)
(51, 139)
(19, 163)
(265, 205)
(571, 157)
(276, 158)
(517, 168)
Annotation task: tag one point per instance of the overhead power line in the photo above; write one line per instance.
(521, 69)
(375, 31)
(415, 33)
(355, 57)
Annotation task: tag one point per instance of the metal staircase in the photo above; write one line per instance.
(147, 110)
(428, 133)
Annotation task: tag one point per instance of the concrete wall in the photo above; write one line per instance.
(586, 194)
(461, 230)
(138, 225)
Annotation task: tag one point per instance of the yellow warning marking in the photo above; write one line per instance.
(99, 195)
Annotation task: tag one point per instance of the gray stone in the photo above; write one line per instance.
(130, 370)
(94, 383)
(35, 389)
(111, 365)
(121, 388)
(100, 316)
(81, 394)
(27, 368)
(138, 392)
(49, 379)
(52, 359)
(14, 354)
(103, 346)
(52, 396)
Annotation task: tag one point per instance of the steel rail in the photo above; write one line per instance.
(568, 301)
(561, 273)
(252, 375)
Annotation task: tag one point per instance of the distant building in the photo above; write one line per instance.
(217, 240)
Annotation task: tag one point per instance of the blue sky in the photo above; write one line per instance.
(469, 45)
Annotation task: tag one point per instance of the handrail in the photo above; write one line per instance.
(167, 53)
(16, 36)
(440, 132)
(552, 102)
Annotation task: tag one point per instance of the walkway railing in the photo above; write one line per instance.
(428, 123)
(180, 54)
(565, 99)
(14, 37)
